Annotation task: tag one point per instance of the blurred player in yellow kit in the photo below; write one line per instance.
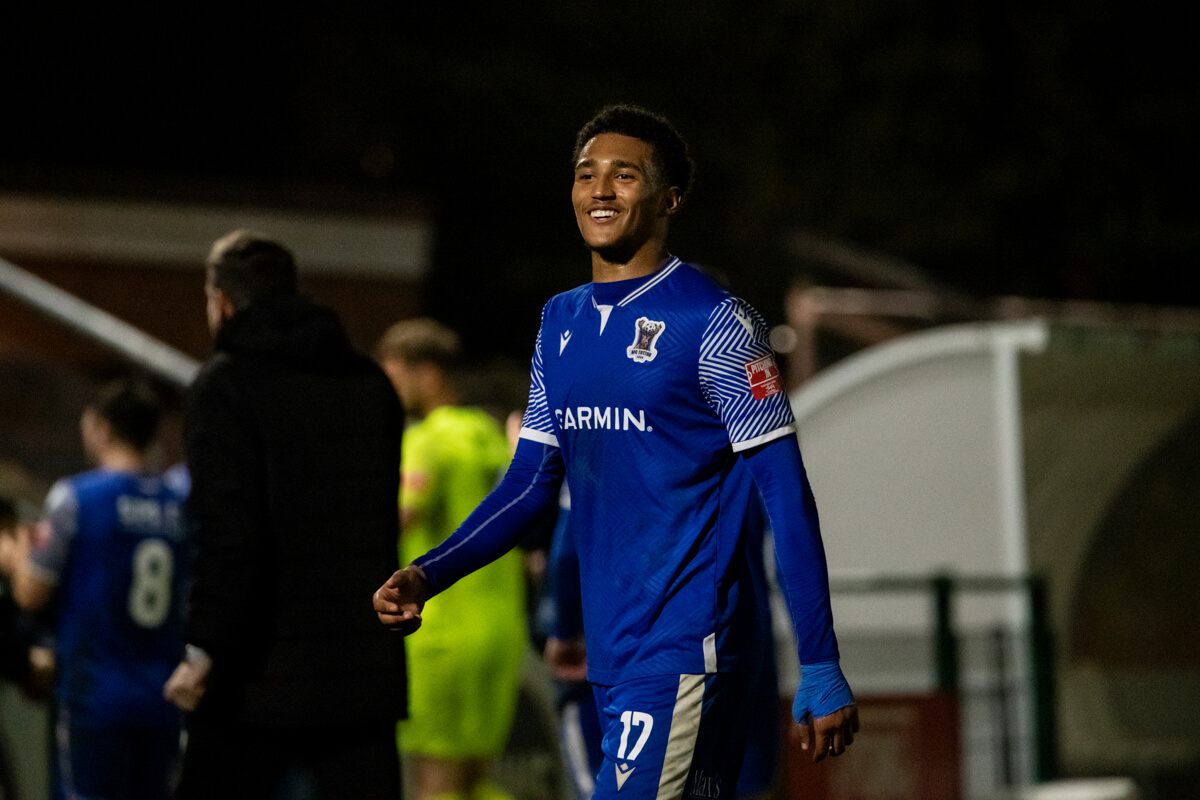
(464, 671)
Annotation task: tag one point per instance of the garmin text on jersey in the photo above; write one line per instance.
(608, 418)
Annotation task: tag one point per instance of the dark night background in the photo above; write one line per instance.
(1039, 149)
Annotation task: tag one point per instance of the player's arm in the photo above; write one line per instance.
(741, 381)
(528, 490)
(35, 567)
(32, 589)
(824, 704)
(418, 485)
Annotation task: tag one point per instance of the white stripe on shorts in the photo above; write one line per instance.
(681, 741)
(710, 653)
(575, 750)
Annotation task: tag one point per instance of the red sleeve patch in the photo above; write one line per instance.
(763, 374)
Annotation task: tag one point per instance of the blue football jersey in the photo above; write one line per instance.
(114, 545)
(650, 388)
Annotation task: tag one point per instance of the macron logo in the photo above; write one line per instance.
(563, 338)
(623, 773)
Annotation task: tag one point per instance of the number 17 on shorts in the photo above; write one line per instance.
(671, 736)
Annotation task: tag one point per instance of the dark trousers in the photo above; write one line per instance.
(228, 759)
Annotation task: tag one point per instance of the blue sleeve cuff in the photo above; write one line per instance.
(823, 690)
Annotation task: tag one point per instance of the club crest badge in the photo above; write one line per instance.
(646, 333)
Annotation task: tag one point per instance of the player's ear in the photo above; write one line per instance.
(93, 427)
(225, 305)
(672, 197)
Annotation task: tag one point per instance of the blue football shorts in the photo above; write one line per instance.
(103, 761)
(671, 736)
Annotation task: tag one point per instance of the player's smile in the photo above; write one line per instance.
(619, 202)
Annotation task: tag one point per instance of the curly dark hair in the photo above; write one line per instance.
(672, 158)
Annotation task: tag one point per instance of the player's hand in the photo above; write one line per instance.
(399, 602)
(41, 673)
(14, 549)
(831, 734)
(567, 659)
(187, 683)
(8, 553)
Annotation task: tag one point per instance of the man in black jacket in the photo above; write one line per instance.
(293, 446)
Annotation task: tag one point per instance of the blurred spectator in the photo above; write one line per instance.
(464, 669)
(23, 660)
(293, 451)
(111, 553)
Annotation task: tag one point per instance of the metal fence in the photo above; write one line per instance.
(995, 667)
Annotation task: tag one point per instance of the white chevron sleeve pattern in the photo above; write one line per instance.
(538, 424)
(740, 377)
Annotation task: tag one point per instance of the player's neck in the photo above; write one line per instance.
(646, 261)
(437, 400)
(123, 459)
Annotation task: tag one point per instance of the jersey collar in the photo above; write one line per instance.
(622, 293)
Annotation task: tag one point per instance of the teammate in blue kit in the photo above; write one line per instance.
(111, 554)
(655, 394)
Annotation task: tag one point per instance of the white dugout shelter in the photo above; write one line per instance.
(992, 452)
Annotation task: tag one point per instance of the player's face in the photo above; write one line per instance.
(408, 380)
(401, 377)
(217, 307)
(620, 204)
(94, 432)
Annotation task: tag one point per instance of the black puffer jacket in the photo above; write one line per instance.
(293, 444)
